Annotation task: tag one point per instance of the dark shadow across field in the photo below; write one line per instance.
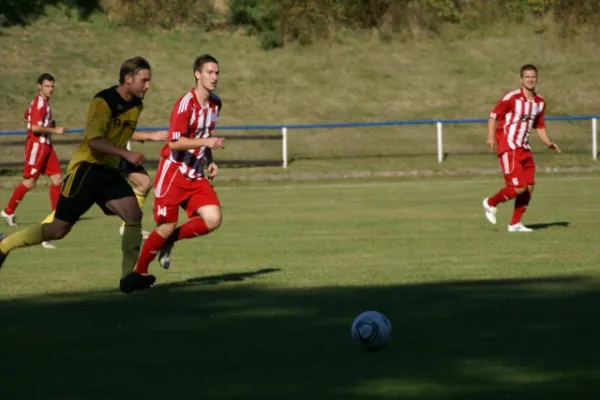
(491, 339)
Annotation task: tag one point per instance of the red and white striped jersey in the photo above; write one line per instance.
(516, 116)
(39, 113)
(192, 120)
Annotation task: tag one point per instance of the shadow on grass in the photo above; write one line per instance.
(547, 225)
(495, 339)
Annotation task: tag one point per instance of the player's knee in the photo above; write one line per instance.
(166, 229)
(56, 180)
(213, 220)
(520, 190)
(29, 183)
(143, 188)
(56, 230)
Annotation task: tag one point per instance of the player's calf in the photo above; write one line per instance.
(2, 254)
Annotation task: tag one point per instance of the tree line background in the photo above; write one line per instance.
(276, 23)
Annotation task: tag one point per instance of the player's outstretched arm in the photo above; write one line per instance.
(546, 140)
(184, 143)
(153, 136)
(103, 145)
(43, 130)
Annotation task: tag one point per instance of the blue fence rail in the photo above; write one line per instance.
(438, 122)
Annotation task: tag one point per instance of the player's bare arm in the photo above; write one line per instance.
(213, 169)
(156, 136)
(491, 143)
(546, 140)
(103, 145)
(43, 130)
(188, 144)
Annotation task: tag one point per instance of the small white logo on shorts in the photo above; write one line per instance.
(162, 211)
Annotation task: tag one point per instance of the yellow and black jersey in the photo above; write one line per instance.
(111, 117)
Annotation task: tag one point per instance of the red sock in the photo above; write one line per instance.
(18, 194)
(150, 249)
(505, 194)
(521, 203)
(54, 195)
(194, 227)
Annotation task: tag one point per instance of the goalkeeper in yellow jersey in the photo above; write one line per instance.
(93, 175)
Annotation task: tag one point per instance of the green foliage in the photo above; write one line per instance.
(163, 13)
(22, 12)
(277, 22)
(309, 20)
(260, 18)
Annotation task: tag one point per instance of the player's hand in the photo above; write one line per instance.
(160, 135)
(554, 146)
(134, 158)
(216, 143)
(491, 144)
(213, 170)
(60, 130)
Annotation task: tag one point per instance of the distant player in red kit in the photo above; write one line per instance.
(40, 157)
(180, 179)
(509, 126)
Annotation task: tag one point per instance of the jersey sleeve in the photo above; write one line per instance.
(97, 119)
(540, 121)
(38, 112)
(500, 110)
(180, 121)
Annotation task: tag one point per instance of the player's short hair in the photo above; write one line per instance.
(528, 67)
(203, 59)
(132, 66)
(45, 77)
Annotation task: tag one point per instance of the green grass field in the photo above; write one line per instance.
(261, 309)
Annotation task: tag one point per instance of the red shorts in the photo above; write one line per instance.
(40, 159)
(174, 190)
(518, 168)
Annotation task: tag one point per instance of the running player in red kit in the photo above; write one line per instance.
(40, 157)
(180, 179)
(509, 126)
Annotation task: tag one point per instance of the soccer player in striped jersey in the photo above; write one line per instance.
(40, 156)
(180, 180)
(509, 126)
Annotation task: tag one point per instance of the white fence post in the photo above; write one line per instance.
(594, 138)
(440, 143)
(284, 150)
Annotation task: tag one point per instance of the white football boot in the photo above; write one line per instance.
(48, 245)
(10, 219)
(519, 227)
(490, 212)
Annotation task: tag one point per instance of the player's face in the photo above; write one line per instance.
(139, 83)
(209, 76)
(46, 88)
(529, 79)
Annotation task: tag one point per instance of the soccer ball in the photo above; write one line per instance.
(371, 330)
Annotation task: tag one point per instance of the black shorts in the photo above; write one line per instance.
(87, 185)
(126, 168)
